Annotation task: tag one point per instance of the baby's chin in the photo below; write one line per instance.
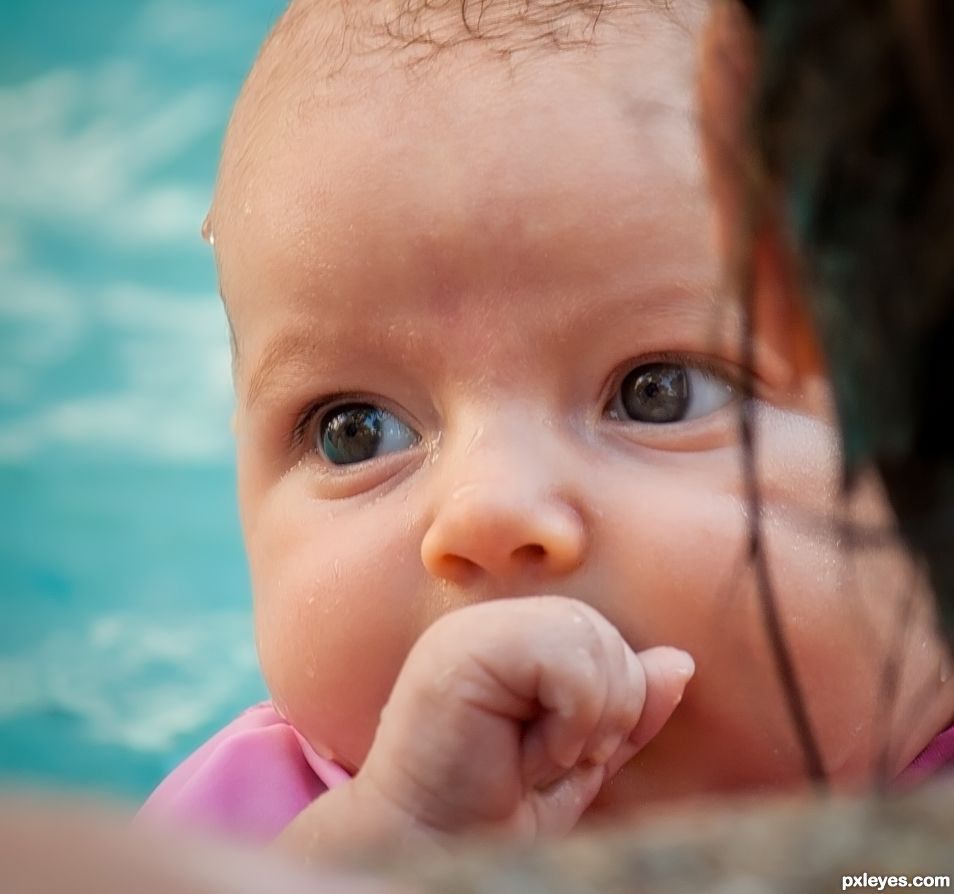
(348, 748)
(343, 757)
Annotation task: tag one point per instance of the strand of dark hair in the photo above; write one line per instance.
(785, 666)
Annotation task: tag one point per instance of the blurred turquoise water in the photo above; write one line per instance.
(125, 637)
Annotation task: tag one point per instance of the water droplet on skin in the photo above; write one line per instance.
(336, 570)
(207, 234)
(462, 490)
(478, 434)
(944, 673)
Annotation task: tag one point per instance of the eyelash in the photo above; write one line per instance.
(307, 416)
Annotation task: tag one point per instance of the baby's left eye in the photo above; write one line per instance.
(661, 393)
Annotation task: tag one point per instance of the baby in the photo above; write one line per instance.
(507, 567)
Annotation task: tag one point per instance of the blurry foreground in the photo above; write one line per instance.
(780, 847)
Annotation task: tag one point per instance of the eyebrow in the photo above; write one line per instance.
(285, 354)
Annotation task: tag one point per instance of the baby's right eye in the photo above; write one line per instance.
(357, 432)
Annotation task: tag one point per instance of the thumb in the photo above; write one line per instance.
(666, 672)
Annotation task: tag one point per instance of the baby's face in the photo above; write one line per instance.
(483, 352)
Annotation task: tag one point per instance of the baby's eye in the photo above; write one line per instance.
(660, 393)
(355, 433)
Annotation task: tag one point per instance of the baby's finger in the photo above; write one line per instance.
(572, 693)
(666, 671)
(622, 705)
(662, 674)
(558, 808)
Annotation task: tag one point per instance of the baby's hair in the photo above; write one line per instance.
(508, 29)
(854, 120)
(853, 127)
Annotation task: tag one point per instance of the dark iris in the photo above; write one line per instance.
(352, 433)
(656, 392)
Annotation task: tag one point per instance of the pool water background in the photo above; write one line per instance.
(125, 629)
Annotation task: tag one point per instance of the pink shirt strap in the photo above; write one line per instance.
(936, 758)
(247, 782)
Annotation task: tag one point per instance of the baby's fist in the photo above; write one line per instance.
(510, 715)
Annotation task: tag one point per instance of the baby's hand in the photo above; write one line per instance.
(508, 716)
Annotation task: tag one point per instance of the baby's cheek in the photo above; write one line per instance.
(682, 580)
(336, 613)
(853, 604)
(691, 583)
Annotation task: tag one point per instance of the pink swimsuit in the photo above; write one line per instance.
(252, 778)
(249, 781)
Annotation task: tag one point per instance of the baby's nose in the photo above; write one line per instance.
(503, 532)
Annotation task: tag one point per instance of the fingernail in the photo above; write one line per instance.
(683, 666)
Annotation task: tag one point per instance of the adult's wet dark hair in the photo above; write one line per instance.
(854, 126)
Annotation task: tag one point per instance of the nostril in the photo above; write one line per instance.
(457, 568)
(531, 552)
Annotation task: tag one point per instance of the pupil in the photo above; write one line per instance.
(352, 434)
(657, 392)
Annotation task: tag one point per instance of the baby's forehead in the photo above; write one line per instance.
(462, 145)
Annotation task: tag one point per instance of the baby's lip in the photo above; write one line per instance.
(516, 593)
